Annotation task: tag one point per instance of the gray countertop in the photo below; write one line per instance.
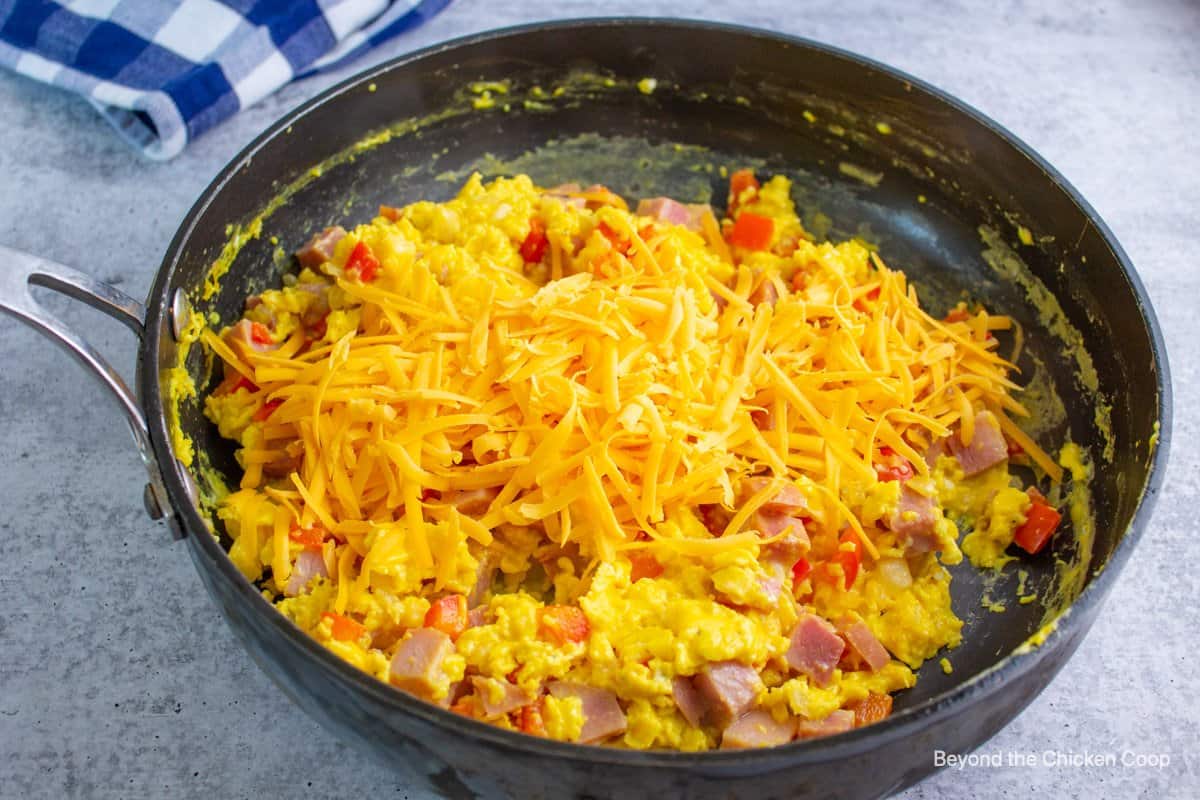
(117, 677)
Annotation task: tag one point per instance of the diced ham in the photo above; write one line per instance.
(839, 721)
(788, 498)
(816, 649)
(477, 616)
(417, 665)
(320, 247)
(758, 728)
(281, 467)
(672, 211)
(309, 565)
(987, 447)
(914, 520)
(935, 451)
(563, 194)
(773, 523)
(729, 688)
(688, 700)
(497, 698)
(243, 334)
(318, 309)
(483, 581)
(772, 586)
(792, 546)
(602, 715)
(863, 642)
(715, 517)
(472, 502)
(765, 292)
(458, 690)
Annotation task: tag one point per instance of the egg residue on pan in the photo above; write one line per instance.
(649, 478)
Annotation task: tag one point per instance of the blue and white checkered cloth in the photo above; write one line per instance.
(164, 72)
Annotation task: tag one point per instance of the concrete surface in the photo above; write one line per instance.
(118, 679)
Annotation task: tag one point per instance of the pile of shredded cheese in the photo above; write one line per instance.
(595, 398)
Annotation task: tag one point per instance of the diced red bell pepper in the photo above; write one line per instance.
(850, 560)
(643, 565)
(871, 709)
(260, 334)
(861, 303)
(752, 231)
(362, 263)
(267, 409)
(800, 570)
(534, 246)
(308, 538)
(1041, 521)
(898, 472)
(619, 243)
(739, 182)
(344, 629)
(891, 466)
(529, 719)
(244, 383)
(448, 614)
(563, 624)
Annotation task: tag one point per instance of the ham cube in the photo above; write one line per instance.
(242, 334)
(563, 194)
(788, 499)
(816, 649)
(497, 698)
(765, 293)
(320, 247)
(602, 715)
(839, 721)
(914, 520)
(488, 564)
(673, 212)
(758, 728)
(863, 642)
(987, 447)
(689, 701)
(309, 565)
(417, 665)
(729, 689)
(794, 543)
(477, 616)
(472, 502)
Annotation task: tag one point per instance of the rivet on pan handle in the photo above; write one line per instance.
(18, 271)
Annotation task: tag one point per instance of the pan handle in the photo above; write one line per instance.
(19, 271)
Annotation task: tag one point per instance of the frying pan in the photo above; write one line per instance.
(946, 194)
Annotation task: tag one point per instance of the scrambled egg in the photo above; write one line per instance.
(332, 393)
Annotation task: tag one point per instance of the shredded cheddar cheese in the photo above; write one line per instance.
(544, 383)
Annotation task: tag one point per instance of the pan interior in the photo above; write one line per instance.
(942, 196)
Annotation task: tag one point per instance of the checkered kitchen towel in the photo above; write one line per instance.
(164, 72)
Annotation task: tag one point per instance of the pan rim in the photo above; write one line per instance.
(1012, 666)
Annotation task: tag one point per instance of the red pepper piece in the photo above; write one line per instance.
(752, 231)
(362, 263)
(534, 246)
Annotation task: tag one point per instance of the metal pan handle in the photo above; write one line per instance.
(19, 271)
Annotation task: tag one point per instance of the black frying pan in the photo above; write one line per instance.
(881, 155)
